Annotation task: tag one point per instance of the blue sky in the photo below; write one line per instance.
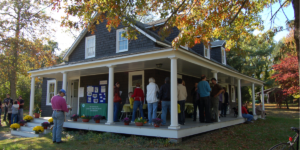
(66, 39)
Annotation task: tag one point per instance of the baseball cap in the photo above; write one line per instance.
(64, 91)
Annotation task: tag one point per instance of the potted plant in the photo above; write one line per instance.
(97, 118)
(50, 121)
(156, 122)
(74, 117)
(38, 129)
(45, 125)
(139, 121)
(27, 118)
(22, 122)
(15, 126)
(37, 112)
(126, 121)
(85, 118)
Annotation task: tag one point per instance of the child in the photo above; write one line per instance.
(130, 100)
(14, 112)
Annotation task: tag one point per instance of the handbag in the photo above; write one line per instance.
(117, 97)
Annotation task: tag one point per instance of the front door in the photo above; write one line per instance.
(74, 96)
(134, 78)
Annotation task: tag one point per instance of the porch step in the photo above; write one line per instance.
(33, 124)
(24, 133)
(27, 129)
(39, 120)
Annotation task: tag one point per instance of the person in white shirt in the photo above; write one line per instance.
(182, 95)
(152, 100)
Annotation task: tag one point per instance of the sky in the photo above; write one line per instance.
(65, 38)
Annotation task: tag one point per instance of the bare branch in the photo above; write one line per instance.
(283, 11)
(174, 12)
(237, 12)
(278, 10)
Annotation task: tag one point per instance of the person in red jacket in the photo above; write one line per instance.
(245, 113)
(138, 96)
(117, 101)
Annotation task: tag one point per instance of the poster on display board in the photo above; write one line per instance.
(92, 94)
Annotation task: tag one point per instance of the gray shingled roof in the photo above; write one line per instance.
(156, 22)
(217, 43)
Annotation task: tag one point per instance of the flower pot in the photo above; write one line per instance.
(14, 129)
(75, 119)
(85, 120)
(97, 121)
(37, 132)
(36, 115)
(45, 127)
(126, 123)
(156, 125)
(139, 123)
(21, 124)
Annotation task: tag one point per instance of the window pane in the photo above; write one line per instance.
(137, 79)
(51, 87)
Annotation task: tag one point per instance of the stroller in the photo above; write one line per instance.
(235, 110)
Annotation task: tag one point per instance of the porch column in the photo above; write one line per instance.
(110, 109)
(174, 113)
(32, 90)
(215, 75)
(239, 99)
(64, 82)
(262, 97)
(253, 100)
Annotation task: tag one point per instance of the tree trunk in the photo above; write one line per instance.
(15, 49)
(296, 5)
(287, 104)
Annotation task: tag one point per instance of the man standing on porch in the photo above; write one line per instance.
(138, 96)
(59, 106)
(165, 96)
(152, 100)
(204, 91)
(216, 91)
(182, 95)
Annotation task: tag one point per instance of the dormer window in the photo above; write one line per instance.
(90, 46)
(206, 52)
(223, 52)
(122, 42)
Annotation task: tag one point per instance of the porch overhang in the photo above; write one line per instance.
(188, 64)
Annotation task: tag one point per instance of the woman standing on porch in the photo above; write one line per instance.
(138, 96)
(117, 101)
(152, 99)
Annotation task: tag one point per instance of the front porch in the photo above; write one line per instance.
(174, 64)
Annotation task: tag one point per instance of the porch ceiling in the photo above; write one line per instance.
(184, 67)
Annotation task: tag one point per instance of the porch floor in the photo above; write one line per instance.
(190, 127)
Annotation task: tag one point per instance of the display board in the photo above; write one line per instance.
(90, 109)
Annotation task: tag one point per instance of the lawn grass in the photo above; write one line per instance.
(262, 134)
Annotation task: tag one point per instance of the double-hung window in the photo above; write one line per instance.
(223, 55)
(51, 90)
(206, 52)
(90, 46)
(122, 42)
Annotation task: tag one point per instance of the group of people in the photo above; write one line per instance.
(13, 110)
(204, 98)
(212, 103)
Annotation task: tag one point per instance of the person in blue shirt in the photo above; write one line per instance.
(205, 103)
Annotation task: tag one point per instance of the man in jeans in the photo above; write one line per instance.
(216, 91)
(21, 101)
(59, 106)
(6, 102)
(204, 91)
(164, 96)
